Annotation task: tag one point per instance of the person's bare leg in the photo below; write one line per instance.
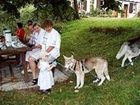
(33, 66)
(28, 67)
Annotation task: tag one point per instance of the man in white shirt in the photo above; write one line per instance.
(52, 42)
(36, 40)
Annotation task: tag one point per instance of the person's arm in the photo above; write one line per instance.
(31, 42)
(17, 32)
(50, 48)
(22, 34)
(36, 46)
(52, 43)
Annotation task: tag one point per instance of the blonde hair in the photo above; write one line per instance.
(36, 24)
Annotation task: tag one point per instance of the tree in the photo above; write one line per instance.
(59, 8)
(10, 8)
(76, 10)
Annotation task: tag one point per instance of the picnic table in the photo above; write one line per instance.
(16, 51)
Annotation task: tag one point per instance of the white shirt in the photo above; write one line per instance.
(53, 39)
(37, 37)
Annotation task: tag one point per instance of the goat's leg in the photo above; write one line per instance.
(124, 59)
(77, 80)
(130, 59)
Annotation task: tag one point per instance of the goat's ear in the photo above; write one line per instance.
(72, 56)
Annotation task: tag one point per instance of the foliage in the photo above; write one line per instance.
(60, 9)
(111, 4)
(10, 10)
(6, 21)
(101, 13)
(59, 26)
(95, 13)
(27, 13)
(77, 39)
(109, 12)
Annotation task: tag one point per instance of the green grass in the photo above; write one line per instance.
(77, 39)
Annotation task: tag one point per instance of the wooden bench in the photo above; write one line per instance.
(9, 60)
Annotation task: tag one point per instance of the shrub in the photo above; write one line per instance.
(95, 13)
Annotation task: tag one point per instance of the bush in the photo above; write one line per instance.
(6, 21)
(27, 13)
(95, 13)
(59, 26)
(101, 13)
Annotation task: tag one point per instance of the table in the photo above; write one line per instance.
(18, 51)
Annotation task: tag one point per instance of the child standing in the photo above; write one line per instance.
(45, 79)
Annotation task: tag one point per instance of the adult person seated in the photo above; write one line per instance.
(36, 40)
(20, 32)
(28, 31)
(52, 43)
(28, 39)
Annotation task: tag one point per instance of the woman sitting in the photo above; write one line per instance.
(20, 32)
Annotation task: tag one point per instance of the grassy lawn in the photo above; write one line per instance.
(84, 38)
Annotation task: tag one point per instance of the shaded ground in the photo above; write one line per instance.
(17, 83)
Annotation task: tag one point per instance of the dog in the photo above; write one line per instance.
(129, 50)
(80, 68)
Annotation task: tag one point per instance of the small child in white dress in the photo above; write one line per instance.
(45, 79)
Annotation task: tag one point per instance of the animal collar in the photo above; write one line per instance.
(82, 64)
(74, 66)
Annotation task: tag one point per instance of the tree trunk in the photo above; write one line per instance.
(76, 10)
